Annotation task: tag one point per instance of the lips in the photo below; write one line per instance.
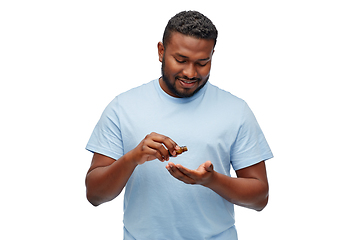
(187, 83)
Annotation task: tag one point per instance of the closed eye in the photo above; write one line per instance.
(180, 61)
(202, 65)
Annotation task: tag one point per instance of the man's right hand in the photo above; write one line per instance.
(154, 146)
(107, 177)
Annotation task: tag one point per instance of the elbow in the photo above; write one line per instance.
(93, 200)
(257, 202)
(257, 205)
(94, 203)
(91, 195)
(97, 198)
(263, 201)
(261, 205)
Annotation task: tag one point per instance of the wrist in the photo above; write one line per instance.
(211, 181)
(131, 158)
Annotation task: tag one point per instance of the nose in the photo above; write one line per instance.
(190, 71)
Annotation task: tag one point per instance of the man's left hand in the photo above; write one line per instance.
(203, 175)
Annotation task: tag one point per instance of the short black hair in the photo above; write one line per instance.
(190, 23)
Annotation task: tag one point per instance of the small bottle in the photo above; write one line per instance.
(180, 151)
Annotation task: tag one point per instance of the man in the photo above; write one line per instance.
(141, 130)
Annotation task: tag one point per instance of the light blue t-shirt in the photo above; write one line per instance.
(213, 124)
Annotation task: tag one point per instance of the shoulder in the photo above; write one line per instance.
(130, 98)
(133, 96)
(138, 92)
(224, 98)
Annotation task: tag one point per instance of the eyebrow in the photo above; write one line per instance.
(182, 56)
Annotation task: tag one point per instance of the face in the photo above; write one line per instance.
(186, 64)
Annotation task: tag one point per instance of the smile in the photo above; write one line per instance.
(188, 81)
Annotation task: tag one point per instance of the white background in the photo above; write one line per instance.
(296, 63)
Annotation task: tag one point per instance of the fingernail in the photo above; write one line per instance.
(172, 154)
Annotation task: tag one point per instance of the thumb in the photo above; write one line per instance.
(209, 166)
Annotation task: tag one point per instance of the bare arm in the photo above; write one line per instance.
(106, 177)
(250, 188)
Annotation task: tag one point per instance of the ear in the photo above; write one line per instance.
(161, 50)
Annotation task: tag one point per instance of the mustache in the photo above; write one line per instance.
(188, 79)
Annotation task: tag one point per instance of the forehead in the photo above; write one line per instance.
(190, 46)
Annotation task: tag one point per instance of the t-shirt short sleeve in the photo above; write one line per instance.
(106, 138)
(250, 146)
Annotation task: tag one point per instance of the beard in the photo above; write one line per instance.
(172, 87)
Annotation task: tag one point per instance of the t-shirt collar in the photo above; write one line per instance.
(163, 94)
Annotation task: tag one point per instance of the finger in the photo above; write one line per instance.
(209, 166)
(163, 151)
(185, 171)
(170, 144)
(156, 149)
(153, 153)
(176, 173)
